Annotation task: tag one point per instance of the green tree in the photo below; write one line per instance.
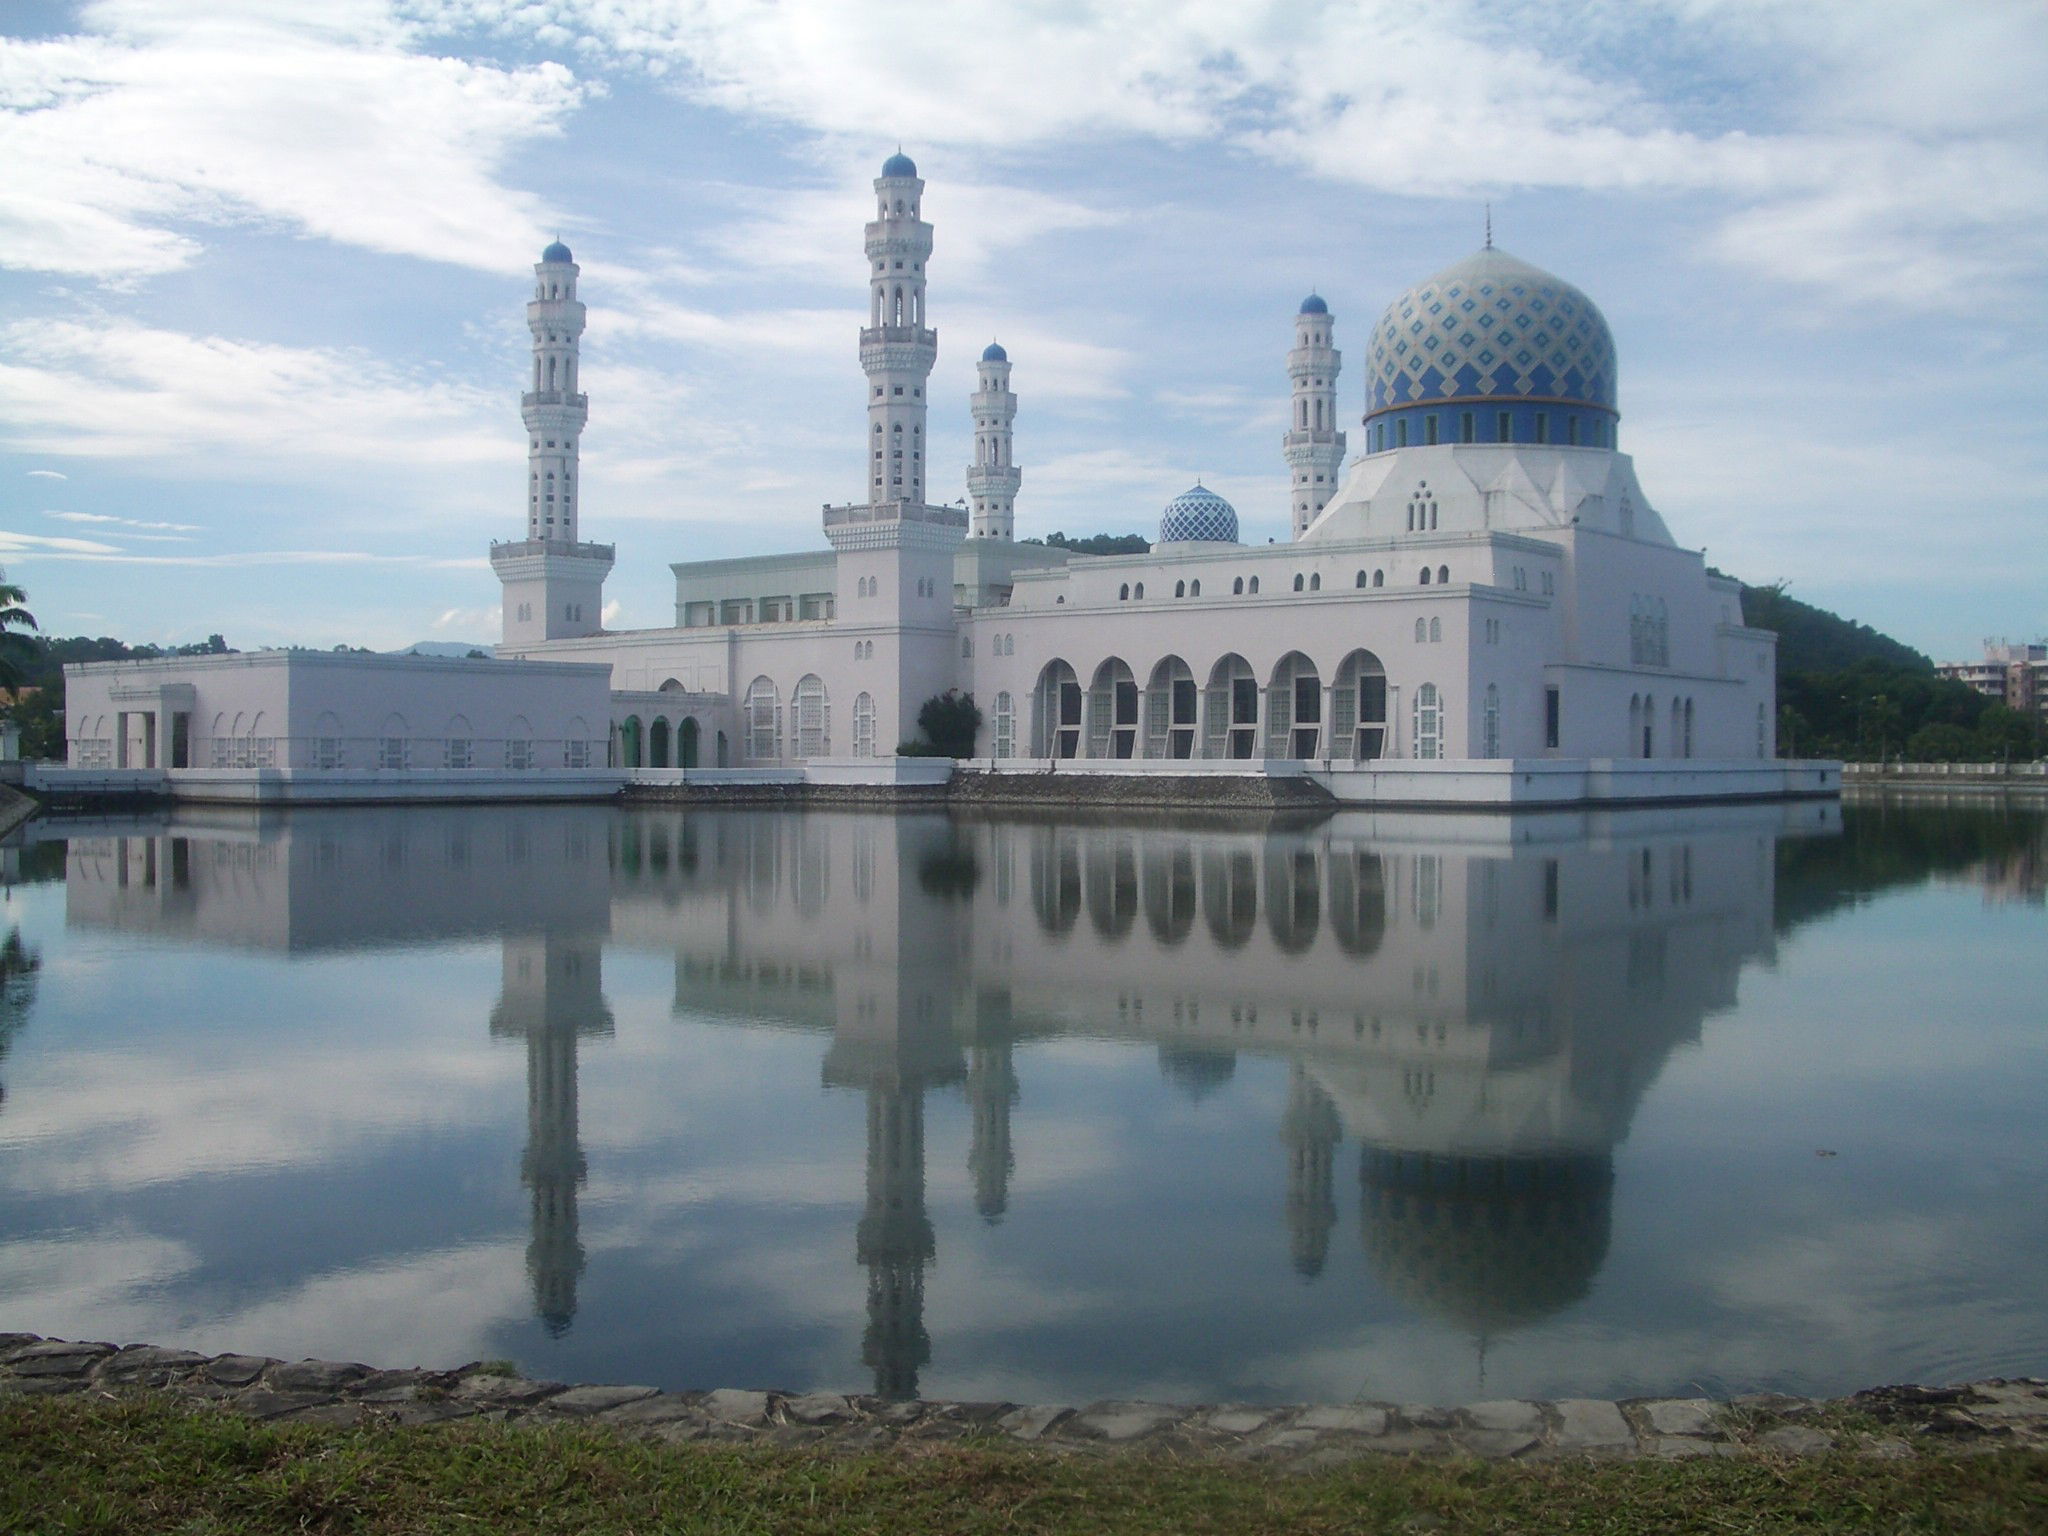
(15, 646)
(950, 721)
(1941, 744)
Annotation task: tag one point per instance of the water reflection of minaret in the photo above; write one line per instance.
(553, 995)
(1311, 1129)
(991, 1093)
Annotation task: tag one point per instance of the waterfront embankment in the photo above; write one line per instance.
(1892, 1421)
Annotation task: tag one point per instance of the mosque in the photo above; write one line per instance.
(1485, 581)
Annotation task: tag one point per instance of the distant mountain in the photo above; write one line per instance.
(442, 648)
(1811, 639)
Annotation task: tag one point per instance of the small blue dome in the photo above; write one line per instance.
(1198, 516)
(1314, 305)
(556, 251)
(994, 353)
(899, 164)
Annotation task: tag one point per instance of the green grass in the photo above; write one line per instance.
(150, 1465)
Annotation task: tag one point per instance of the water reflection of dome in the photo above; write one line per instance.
(1487, 1243)
(1196, 1071)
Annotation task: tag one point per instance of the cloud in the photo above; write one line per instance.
(29, 543)
(1848, 184)
(116, 388)
(317, 120)
(122, 522)
(46, 474)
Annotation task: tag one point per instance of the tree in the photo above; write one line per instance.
(950, 722)
(15, 646)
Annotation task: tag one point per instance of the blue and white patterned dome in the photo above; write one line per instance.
(556, 251)
(1198, 516)
(899, 164)
(1492, 328)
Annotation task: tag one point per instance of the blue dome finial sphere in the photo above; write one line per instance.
(556, 251)
(1198, 516)
(994, 353)
(899, 164)
(1314, 305)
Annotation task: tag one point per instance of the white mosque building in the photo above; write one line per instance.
(1481, 607)
(1486, 582)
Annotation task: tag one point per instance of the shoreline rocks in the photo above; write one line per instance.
(1883, 1421)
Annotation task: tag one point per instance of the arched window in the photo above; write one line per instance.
(1138, 592)
(657, 744)
(1361, 580)
(864, 725)
(1489, 723)
(1005, 725)
(1180, 589)
(1315, 583)
(1649, 726)
(1436, 630)
(1428, 723)
(1195, 587)
(1254, 587)
(1421, 630)
(763, 720)
(1300, 582)
(1425, 575)
(1688, 727)
(1123, 593)
(811, 714)
(1443, 575)
(1379, 578)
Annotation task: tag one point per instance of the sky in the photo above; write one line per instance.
(263, 268)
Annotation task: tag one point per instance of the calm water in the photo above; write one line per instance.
(1417, 1108)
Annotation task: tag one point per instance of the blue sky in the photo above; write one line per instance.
(263, 266)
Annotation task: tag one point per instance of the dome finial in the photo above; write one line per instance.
(1489, 226)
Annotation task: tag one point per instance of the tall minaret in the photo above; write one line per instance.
(1313, 445)
(896, 349)
(553, 583)
(993, 478)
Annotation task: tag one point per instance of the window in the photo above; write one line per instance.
(1379, 578)
(1425, 575)
(1429, 429)
(1489, 723)
(1428, 723)
(1195, 587)
(811, 715)
(763, 721)
(1551, 717)
(1237, 587)
(1005, 725)
(864, 725)
(519, 754)
(1571, 430)
(1254, 587)
(1180, 589)
(1436, 629)
(461, 752)
(393, 753)
(1421, 630)
(1467, 427)
(1315, 583)
(1361, 580)
(1504, 428)
(576, 753)
(1401, 433)
(1300, 582)
(1443, 572)
(1123, 593)
(1138, 592)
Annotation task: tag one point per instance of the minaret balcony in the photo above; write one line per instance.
(898, 336)
(514, 549)
(895, 512)
(580, 402)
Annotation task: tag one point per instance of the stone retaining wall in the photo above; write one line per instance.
(1885, 1421)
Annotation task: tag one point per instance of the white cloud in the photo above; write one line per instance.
(313, 119)
(46, 474)
(117, 388)
(120, 522)
(29, 543)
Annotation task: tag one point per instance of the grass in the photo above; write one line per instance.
(151, 1465)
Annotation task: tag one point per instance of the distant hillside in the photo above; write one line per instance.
(443, 648)
(1811, 639)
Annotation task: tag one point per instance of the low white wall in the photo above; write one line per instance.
(1540, 782)
(285, 785)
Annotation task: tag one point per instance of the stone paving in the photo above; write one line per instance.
(1885, 1421)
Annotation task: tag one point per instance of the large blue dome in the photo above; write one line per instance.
(1491, 331)
(1198, 516)
(899, 164)
(556, 251)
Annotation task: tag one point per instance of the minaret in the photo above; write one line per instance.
(553, 583)
(1313, 445)
(1311, 1132)
(896, 349)
(553, 995)
(993, 478)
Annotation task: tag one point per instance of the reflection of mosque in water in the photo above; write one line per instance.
(1477, 1003)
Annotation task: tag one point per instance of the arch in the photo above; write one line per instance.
(1055, 880)
(1232, 709)
(1113, 711)
(1429, 722)
(1237, 587)
(1421, 631)
(1138, 592)
(686, 743)
(1294, 898)
(1230, 896)
(1294, 709)
(670, 685)
(519, 744)
(1358, 708)
(1169, 893)
(810, 711)
(1436, 630)
(631, 743)
(1358, 902)
(1443, 575)
(1300, 582)
(1056, 712)
(1425, 575)
(1195, 587)
(1172, 710)
(1361, 580)
(1379, 577)
(864, 725)
(1111, 886)
(657, 743)
(1005, 726)
(1252, 586)
(1180, 589)
(1123, 593)
(1315, 581)
(761, 717)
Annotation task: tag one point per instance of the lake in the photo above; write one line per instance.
(1405, 1107)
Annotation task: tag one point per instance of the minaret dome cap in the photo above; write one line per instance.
(994, 353)
(1314, 305)
(556, 252)
(899, 164)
